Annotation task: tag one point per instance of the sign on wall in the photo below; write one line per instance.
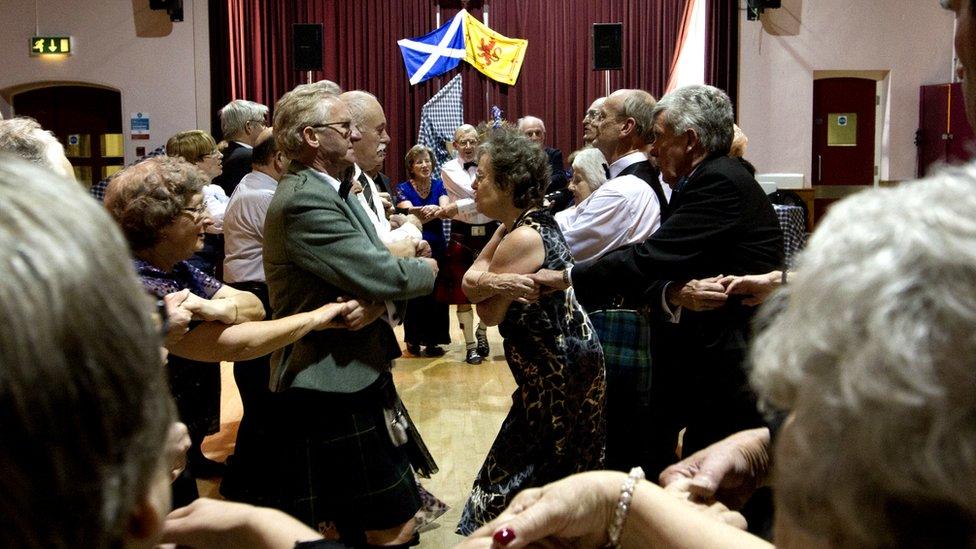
(50, 45)
(139, 125)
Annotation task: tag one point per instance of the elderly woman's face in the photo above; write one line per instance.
(579, 187)
(184, 235)
(488, 197)
(211, 163)
(421, 166)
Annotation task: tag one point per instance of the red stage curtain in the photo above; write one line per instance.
(251, 56)
(722, 47)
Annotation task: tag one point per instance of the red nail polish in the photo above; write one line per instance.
(504, 536)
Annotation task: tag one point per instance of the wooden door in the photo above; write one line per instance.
(87, 121)
(843, 138)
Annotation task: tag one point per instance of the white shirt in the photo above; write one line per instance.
(624, 161)
(215, 201)
(377, 215)
(622, 211)
(457, 182)
(244, 228)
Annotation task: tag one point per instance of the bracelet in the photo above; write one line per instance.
(235, 312)
(623, 506)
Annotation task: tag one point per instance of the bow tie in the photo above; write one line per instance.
(469, 165)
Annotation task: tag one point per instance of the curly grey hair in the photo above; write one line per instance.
(24, 137)
(705, 109)
(236, 114)
(873, 354)
(85, 412)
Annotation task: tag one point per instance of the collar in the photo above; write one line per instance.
(245, 145)
(333, 182)
(621, 163)
(259, 181)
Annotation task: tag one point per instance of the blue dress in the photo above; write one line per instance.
(427, 321)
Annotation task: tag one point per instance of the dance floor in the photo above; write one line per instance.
(457, 407)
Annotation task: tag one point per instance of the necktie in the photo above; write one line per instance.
(344, 189)
(606, 170)
(367, 191)
(469, 165)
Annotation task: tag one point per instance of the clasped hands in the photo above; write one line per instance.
(711, 293)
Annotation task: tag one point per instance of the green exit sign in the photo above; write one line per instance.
(50, 45)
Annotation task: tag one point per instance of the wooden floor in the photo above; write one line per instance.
(457, 407)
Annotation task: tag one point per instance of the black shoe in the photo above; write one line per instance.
(434, 351)
(413, 349)
(473, 357)
(483, 348)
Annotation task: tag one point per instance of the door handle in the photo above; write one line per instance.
(819, 169)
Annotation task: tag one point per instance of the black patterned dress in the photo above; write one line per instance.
(556, 425)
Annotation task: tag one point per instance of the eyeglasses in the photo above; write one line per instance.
(467, 142)
(346, 127)
(197, 212)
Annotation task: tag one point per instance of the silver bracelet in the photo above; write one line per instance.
(623, 506)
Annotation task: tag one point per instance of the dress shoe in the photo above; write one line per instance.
(483, 348)
(434, 351)
(473, 357)
(413, 349)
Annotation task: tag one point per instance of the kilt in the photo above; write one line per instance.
(625, 337)
(462, 249)
(339, 464)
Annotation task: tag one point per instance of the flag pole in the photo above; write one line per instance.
(484, 16)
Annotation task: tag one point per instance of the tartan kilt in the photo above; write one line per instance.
(339, 464)
(462, 250)
(625, 337)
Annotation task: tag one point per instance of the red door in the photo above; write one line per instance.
(944, 135)
(843, 138)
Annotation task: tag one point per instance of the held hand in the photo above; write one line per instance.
(423, 249)
(728, 471)
(681, 489)
(359, 314)
(449, 211)
(219, 310)
(428, 212)
(756, 288)
(387, 202)
(515, 286)
(397, 220)
(432, 263)
(573, 511)
(177, 316)
(328, 316)
(177, 443)
(706, 294)
(549, 279)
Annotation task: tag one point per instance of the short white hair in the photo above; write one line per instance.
(872, 351)
(24, 137)
(236, 114)
(590, 164)
(522, 122)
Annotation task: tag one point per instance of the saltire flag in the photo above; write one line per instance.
(497, 57)
(434, 53)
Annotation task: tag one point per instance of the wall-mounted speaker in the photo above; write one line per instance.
(607, 43)
(306, 52)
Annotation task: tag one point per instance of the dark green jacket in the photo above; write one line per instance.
(318, 247)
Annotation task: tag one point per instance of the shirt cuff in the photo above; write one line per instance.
(466, 206)
(672, 316)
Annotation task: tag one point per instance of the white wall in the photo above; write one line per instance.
(910, 38)
(166, 74)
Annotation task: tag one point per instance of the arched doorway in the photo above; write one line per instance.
(86, 119)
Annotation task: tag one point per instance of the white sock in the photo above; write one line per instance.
(466, 320)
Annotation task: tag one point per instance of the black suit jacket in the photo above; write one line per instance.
(236, 164)
(646, 171)
(558, 181)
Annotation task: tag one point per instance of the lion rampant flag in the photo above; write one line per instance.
(497, 57)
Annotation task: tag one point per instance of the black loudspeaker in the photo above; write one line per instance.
(306, 41)
(607, 40)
